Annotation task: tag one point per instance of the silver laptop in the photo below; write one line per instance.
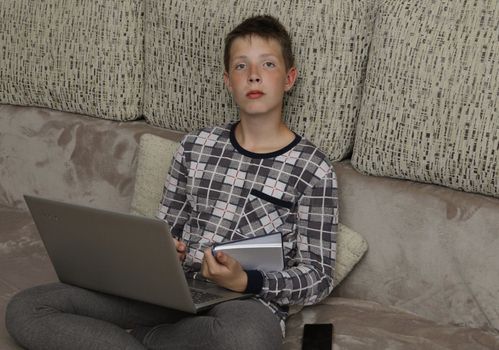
(120, 254)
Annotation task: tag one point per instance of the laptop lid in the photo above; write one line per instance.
(116, 253)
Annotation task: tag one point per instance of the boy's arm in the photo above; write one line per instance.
(174, 207)
(311, 278)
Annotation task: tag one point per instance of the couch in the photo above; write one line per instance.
(403, 96)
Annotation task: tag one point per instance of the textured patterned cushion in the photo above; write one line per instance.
(84, 56)
(154, 159)
(184, 49)
(430, 106)
(351, 247)
(155, 154)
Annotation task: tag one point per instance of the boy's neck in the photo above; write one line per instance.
(259, 135)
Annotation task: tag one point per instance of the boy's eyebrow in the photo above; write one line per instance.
(265, 55)
(268, 55)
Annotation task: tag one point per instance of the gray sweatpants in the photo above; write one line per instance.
(59, 316)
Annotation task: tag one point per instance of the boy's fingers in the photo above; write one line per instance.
(209, 260)
(181, 249)
(222, 258)
(208, 255)
(226, 260)
(204, 267)
(181, 246)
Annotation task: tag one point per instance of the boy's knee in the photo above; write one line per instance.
(17, 306)
(22, 308)
(247, 329)
(248, 338)
(18, 309)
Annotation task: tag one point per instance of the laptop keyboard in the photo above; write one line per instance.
(200, 297)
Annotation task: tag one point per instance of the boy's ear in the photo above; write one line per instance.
(290, 78)
(227, 81)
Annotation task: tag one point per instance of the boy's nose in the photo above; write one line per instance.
(254, 75)
(254, 79)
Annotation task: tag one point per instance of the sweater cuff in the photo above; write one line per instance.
(255, 282)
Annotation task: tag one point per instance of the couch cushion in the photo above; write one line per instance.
(184, 49)
(84, 56)
(360, 325)
(155, 155)
(430, 104)
(153, 164)
(432, 250)
(68, 156)
(351, 247)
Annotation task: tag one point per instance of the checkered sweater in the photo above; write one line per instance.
(217, 191)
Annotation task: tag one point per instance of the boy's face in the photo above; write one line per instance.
(257, 76)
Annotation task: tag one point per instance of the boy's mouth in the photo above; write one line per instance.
(253, 94)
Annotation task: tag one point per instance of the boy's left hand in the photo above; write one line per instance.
(224, 271)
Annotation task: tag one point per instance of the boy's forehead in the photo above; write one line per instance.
(248, 43)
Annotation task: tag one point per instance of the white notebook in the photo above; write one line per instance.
(256, 253)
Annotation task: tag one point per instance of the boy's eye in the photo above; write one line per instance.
(239, 66)
(269, 64)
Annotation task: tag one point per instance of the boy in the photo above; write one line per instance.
(253, 177)
(256, 177)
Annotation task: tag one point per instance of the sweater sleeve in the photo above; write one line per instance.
(310, 279)
(174, 206)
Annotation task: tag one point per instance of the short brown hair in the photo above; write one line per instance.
(266, 27)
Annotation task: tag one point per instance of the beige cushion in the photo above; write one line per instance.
(154, 159)
(184, 86)
(83, 56)
(430, 105)
(155, 154)
(351, 246)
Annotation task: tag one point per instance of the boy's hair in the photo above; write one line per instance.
(266, 27)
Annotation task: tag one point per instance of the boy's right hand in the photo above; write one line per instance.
(181, 249)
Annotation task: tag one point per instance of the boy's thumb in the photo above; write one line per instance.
(221, 258)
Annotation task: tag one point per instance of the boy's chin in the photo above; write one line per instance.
(256, 113)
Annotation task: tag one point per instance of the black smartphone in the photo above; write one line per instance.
(318, 336)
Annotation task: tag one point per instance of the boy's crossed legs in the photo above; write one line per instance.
(59, 316)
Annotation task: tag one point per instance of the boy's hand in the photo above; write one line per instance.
(224, 271)
(181, 249)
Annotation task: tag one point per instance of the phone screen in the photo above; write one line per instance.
(317, 336)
